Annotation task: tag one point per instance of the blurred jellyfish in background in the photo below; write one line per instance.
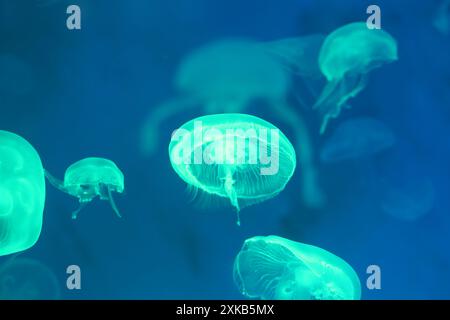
(88, 178)
(27, 279)
(441, 19)
(347, 55)
(277, 268)
(16, 77)
(357, 138)
(406, 189)
(226, 76)
(227, 155)
(409, 200)
(299, 56)
(22, 194)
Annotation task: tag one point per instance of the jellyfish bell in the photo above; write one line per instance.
(347, 55)
(22, 194)
(272, 267)
(88, 178)
(357, 138)
(236, 156)
(27, 279)
(227, 74)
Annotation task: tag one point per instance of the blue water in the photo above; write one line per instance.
(85, 93)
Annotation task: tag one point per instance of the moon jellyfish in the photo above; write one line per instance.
(22, 194)
(357, 138)
(88, 178)
(347, 55)
(226, 76)
(275, 268)
(27, 279)
(236, 156)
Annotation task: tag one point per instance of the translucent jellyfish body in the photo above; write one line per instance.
(347, 55)
(27, 279)
(88, 178)
(22, 194)
(227, 75)
(409, 200)
(357, 138)
(277, 268)
(223, 76)
(441, 19)
(235, 156)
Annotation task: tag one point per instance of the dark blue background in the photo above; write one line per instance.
(86, 93)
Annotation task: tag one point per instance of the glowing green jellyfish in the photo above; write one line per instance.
(347, 55)
(277, 268)
(27, 279)
(22, 194)
(235, 156)
(228, 75)
(88, 178)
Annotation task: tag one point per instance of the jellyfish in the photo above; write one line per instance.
(88, 178)
(347, 55)
(22, 194)
(226, 76)
(27, 279)
(441, 20)
(357, 138)
(408, 201)
(275, 268)
(236, 156)
(406, 191)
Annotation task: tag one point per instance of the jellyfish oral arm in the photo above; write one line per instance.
(58, 184)
(226, 175)
(76, 212)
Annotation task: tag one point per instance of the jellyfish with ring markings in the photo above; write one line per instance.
(275, 268)
(22, 194)
(88, 178)
(236, 156)
(228, 75)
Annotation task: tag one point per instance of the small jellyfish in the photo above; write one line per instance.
(357, 138)
(22, 194)
(347, 55)
(275, 268)
(441, 20)
(88, 178)
(27, 279)
(235, 156)
(228, 75)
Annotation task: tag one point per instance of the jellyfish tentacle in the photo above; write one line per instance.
(226, 175)
(82, 205)
(58, 184)
(113, 203)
